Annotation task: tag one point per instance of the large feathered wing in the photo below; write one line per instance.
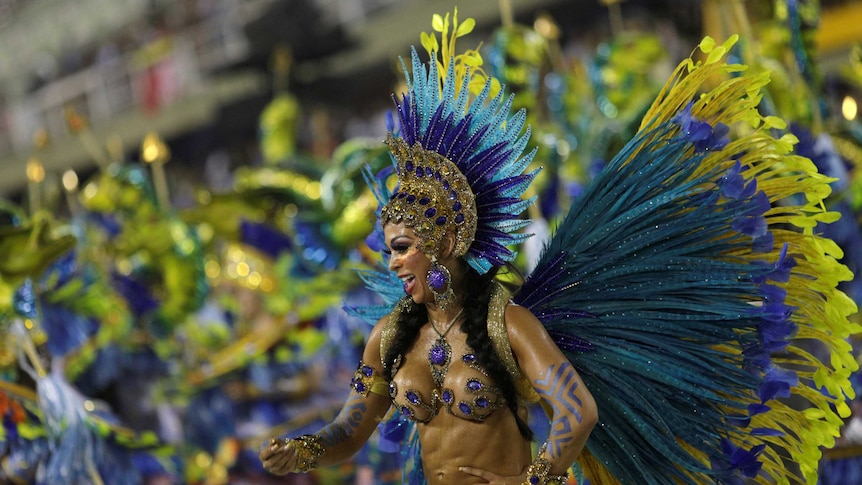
(688, 288)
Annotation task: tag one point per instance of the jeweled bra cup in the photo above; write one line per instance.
(481, 405)
(414, 398)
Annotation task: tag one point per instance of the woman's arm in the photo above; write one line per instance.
(558, 384)
(365, 407)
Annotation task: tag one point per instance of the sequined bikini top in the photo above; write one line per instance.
(455, 383)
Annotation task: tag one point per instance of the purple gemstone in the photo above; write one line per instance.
(468, 358)
(453, 195)
(405, 411)
(393, 391)
(534, 480)
(448, 396)
(437, 355)
(431, 212)
(465, 408)
(428, 171)
(411, 198)
(474, 385)
(440, 221)
(359, 386)
(367, 370)
(424, 201)
(456, 207)
(446, 185)
(438, 177)
(436, 279)
(401, 195)
(409, 165)
(459, 218)
(420, 171)
(412, 397)
(482, 402)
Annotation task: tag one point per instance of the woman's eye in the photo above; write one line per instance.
(398, 248)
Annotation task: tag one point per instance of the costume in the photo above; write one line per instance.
(679, 281)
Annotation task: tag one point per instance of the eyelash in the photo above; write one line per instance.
(398, 248)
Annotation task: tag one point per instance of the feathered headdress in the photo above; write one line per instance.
(459, 155)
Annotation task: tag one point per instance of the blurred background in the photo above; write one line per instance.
(183, 207)
(200, 72)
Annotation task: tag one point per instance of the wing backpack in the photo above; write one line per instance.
(687, 287)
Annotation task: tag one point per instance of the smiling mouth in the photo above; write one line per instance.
(407, 282)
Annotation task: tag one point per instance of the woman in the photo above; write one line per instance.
(478, 435)
(455, 356)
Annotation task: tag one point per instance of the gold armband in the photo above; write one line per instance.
(308, 449)
(537, 472)
(366, 380)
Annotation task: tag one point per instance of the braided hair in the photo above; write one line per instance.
(475, 326)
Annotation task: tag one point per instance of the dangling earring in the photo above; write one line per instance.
(440, 282)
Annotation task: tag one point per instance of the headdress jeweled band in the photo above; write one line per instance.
(432, 197)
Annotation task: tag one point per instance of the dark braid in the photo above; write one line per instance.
(475, 326)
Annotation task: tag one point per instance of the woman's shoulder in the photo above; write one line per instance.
(518, 317)
(383, 333)
(383, 327)
(377, 330)
(508, 335)
(500, 305)
(524, 330)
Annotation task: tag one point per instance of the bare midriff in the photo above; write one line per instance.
(449, 441)
(494, 445)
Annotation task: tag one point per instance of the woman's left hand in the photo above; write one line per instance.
(491, 477)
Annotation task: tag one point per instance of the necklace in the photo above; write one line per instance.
(441, 352)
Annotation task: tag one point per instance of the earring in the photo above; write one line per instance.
(440, 282)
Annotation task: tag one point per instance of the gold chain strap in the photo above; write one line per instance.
(537, 472)
(309, 448)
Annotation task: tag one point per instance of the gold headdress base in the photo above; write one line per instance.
(432, 197)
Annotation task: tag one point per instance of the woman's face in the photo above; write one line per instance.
(408, 262)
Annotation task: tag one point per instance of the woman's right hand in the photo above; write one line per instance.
(279, 457)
